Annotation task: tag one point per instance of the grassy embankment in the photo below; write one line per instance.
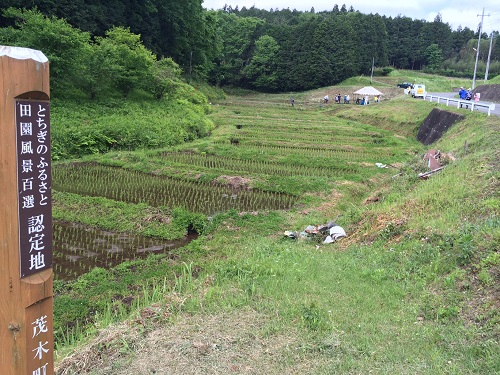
(412, 289)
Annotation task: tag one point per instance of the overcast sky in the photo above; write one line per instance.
(454, 12)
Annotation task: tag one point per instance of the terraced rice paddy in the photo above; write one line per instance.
(242, 166)
(284, 151)
(136, 187)
(79, 248)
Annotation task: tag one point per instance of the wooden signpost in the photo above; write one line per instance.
(26, 299)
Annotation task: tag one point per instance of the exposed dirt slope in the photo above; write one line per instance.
(489, 93)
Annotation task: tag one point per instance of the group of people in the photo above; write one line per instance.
(363, 101)
(467, 95)
(366, 100)
(338, 99)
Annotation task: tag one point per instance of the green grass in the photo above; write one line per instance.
(495, 80)
(120, 216)
(432, 82)
(82, 127)
(376, 323)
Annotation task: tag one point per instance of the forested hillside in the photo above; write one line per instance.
(111, 92)
(276, 50)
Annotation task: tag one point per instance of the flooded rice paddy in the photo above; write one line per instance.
(78, 248)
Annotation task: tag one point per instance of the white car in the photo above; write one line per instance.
(418, 91)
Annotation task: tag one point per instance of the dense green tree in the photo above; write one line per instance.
(164, 77)
(321, 56)
(208, 47)
(182, 29)
(315, 48)
(95, 16)
(239, 35)
(343, 55)
(297, 56)
(173, 28)
(128, 60)
(94, 77)
(460, 38)
(436, 32)
(261, 70)
(65, 46)
(369, 41)
(434, 57)
(403, 45)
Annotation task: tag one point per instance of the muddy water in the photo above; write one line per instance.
(78, 248)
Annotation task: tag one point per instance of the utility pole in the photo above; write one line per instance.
(477, 51)
(373, 66)
(489, 56)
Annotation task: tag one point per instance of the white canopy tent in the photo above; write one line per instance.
(368, 90)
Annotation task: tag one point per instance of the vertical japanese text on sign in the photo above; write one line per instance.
(34, 183)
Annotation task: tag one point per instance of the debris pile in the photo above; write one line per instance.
(436, 161)
(327, 233)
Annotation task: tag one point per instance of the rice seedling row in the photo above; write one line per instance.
(350, 159)
(136, 187)
(300, 132)
(350, 133)
(274, 104)
(314, 138)
(303, 123)
(328, 151)
(304, 147)
(305, 127)
(261, 167)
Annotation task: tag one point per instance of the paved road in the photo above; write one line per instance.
(495, 112)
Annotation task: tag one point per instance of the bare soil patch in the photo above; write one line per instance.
(490, 93)
(234, 182)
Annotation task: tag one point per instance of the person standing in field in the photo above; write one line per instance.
(462, 94)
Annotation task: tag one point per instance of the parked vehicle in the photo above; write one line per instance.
(418, 91)
(404, 85)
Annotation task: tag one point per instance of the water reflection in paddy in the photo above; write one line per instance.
(78, 248)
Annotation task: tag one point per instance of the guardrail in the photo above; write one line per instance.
(460, 103)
